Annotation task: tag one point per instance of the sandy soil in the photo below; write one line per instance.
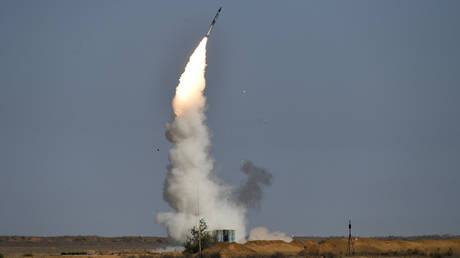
(129, 247)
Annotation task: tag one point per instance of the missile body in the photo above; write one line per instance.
(213, 22)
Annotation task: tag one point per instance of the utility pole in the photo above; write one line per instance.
(349, 239)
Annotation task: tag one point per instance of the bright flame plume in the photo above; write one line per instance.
(189, 92)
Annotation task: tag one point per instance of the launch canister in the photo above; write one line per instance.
(213, 22)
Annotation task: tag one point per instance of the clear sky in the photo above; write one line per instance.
(352, 105)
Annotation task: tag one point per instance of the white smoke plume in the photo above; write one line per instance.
(261, 233)
(189, 188)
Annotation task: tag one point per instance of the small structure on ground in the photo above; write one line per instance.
(224, 235)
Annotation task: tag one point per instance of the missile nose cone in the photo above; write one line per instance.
(213, 22)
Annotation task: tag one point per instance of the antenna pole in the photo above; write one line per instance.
(349, 238)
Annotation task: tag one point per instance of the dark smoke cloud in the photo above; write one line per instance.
(250, 192)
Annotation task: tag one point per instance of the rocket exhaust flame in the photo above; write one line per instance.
(192, 82)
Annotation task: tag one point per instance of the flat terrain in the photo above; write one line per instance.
(81, 246)
(17, 246)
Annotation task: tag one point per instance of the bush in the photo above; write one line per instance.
(28, 255)
(193, 241)
(1, 255)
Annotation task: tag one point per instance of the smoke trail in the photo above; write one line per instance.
(250, 193)
(189, 188)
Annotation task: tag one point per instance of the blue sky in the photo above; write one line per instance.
(352, 105)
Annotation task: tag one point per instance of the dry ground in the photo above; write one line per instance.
(17, 246)
(143, 247)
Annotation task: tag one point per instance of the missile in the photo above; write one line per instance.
(213, 22)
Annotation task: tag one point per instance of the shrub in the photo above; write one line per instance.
(193, 241)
